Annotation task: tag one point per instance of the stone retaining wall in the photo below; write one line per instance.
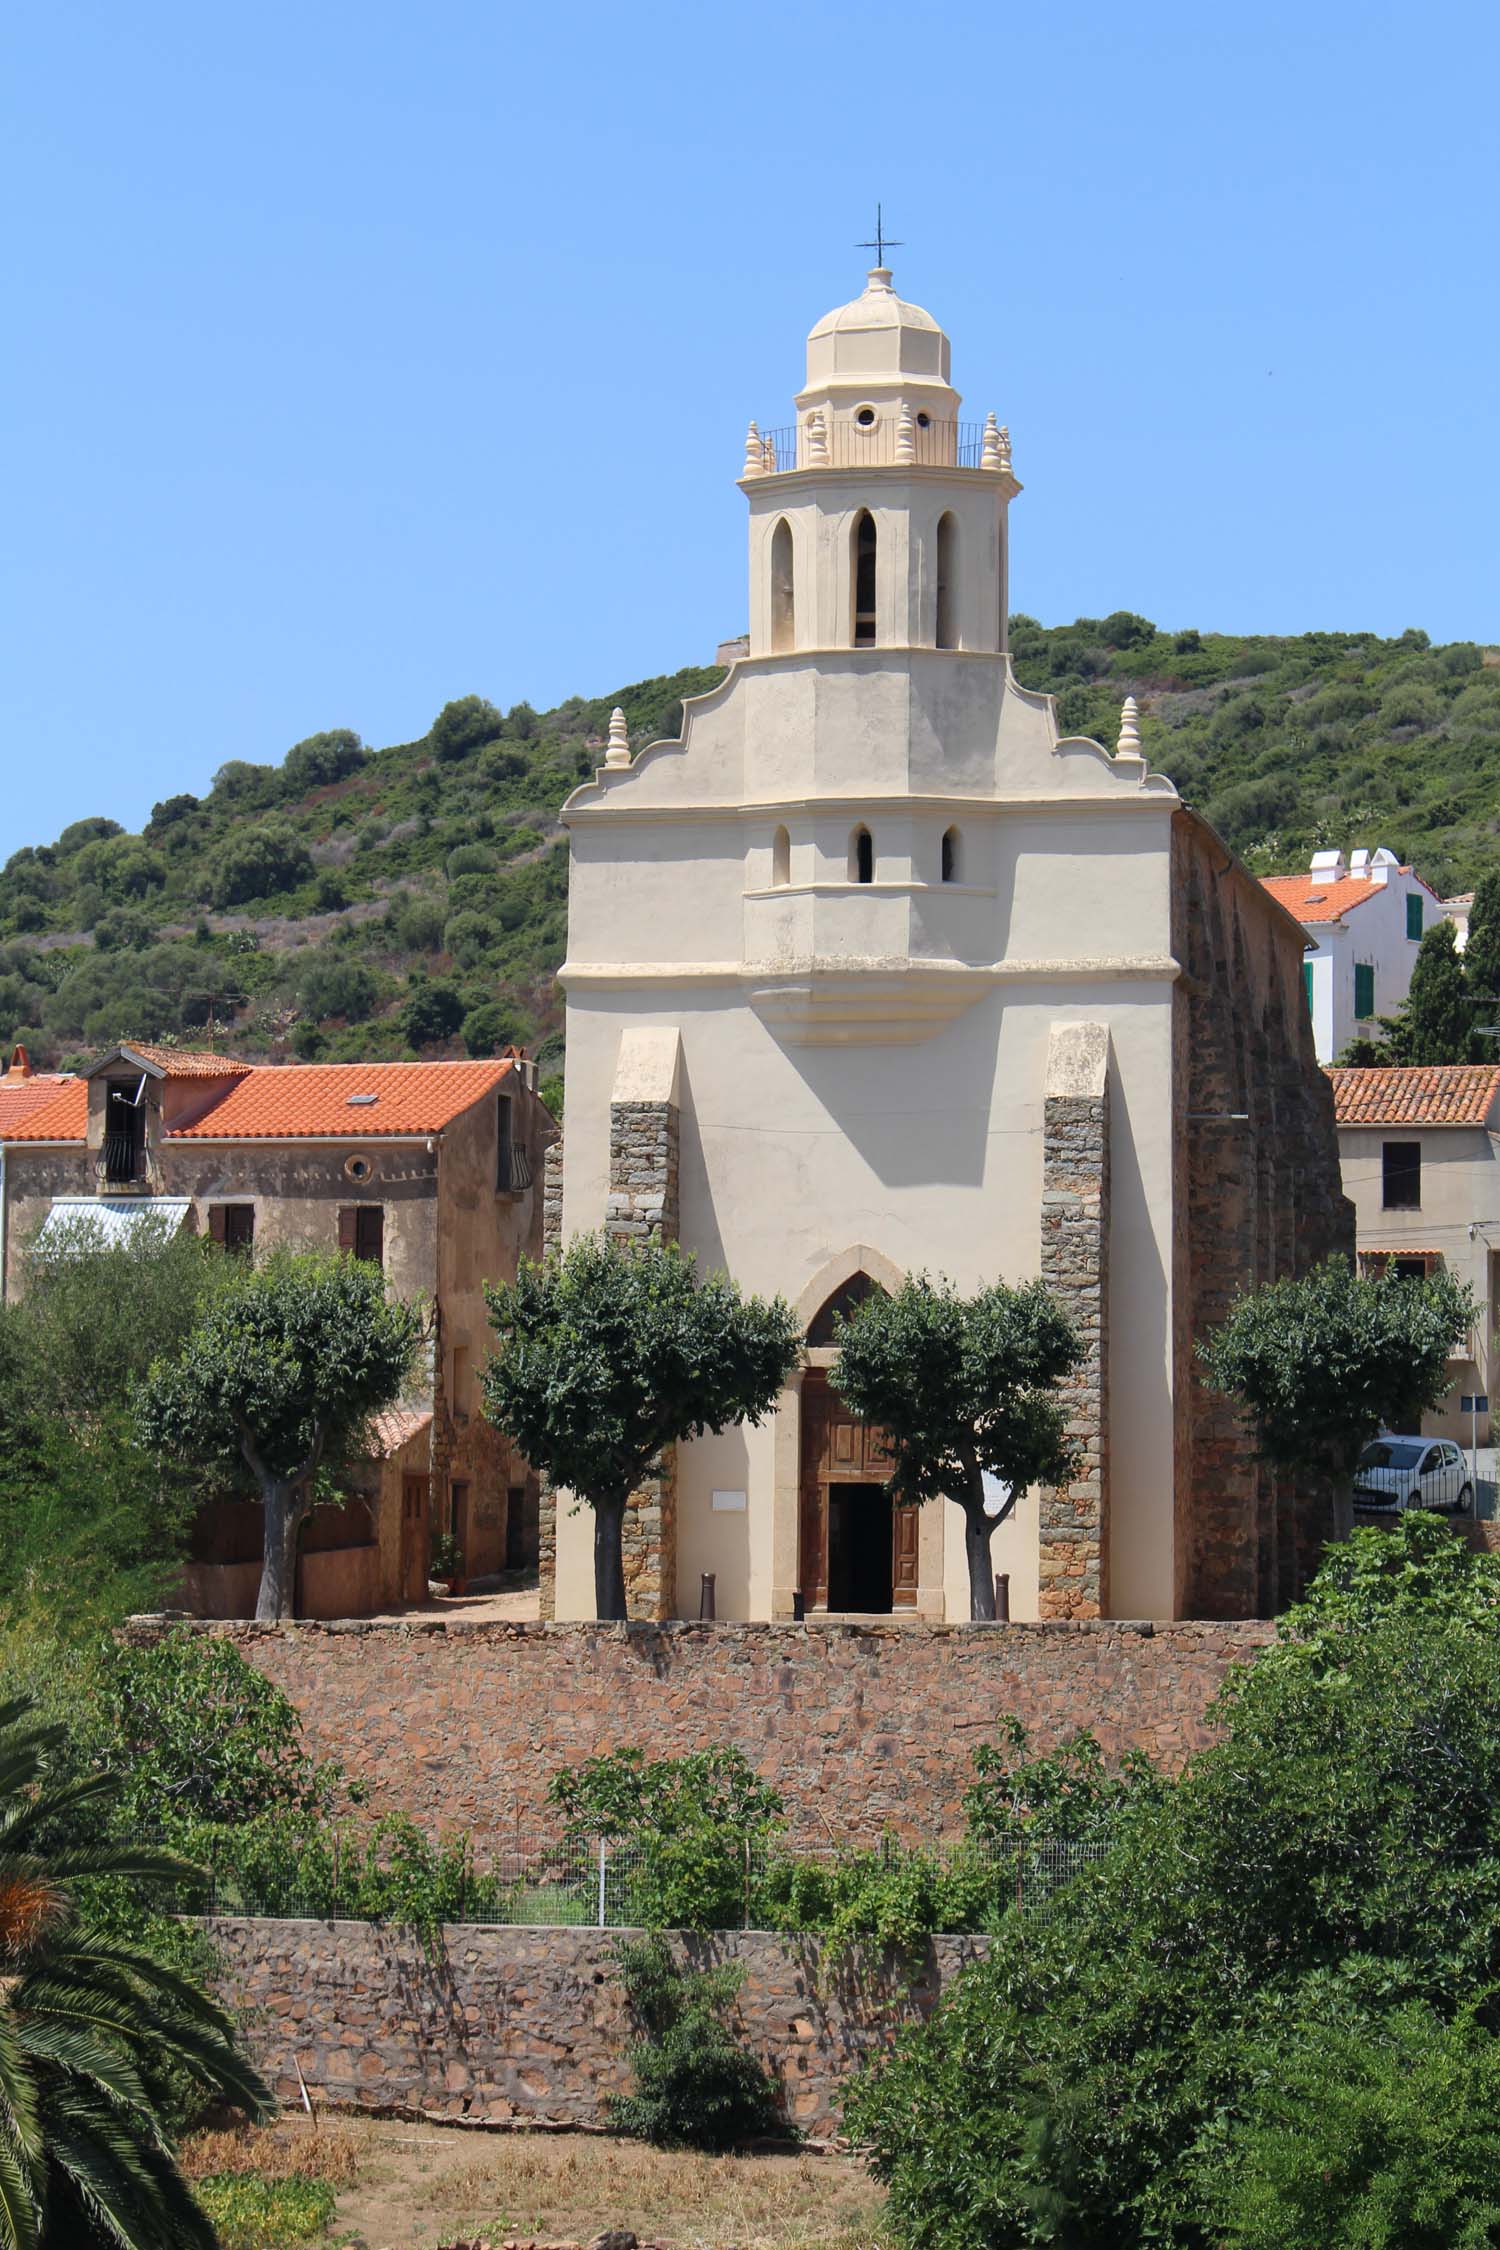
(863, 1728)
(528, 2026)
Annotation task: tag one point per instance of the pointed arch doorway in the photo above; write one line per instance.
(857, 1548)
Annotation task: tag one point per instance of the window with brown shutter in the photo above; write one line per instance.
(362, 1231)
(233, 1224)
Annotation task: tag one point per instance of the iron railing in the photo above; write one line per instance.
(934, 445)
(515, 1170)
(122, 1159)
(602, 1883)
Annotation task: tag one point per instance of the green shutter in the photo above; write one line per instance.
(1307, 983)
(1364, 990)
(1414, 914)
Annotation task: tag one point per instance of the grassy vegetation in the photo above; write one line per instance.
(252, 2214)
(421, 2185)
(350, 903)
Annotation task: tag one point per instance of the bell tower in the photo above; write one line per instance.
(878, 518)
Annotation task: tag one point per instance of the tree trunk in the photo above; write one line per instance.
(285, 1506)
(609, 1558)
(979, 1529)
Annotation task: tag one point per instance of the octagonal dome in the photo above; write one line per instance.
(877, 337)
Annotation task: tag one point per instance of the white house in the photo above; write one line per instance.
(1364, 919)
(1420, 1151)
(873, 973)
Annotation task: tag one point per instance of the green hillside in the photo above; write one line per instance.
(350, 903)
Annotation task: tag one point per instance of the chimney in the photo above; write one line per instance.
(20, 1065)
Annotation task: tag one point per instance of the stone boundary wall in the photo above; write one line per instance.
(527, 2027)
(863, 1728)
(1073, 1524)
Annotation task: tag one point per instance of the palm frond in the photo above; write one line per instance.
(84, 2052)
(130, 2187)
(18, 2094)
(20, 2220)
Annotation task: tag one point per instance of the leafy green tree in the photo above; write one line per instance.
(322, 759)
(432, 1012)
(259, 862)
(1436, 1017)
(90, 2029)
(91, 1526)
(689, 1824)
(281, 1375)
(1481, 963)
(965, 1387)
(607, 1356)
(488, 1027)
(331, 985)
(463, 726)
(1101, 2079)
(469, 937)
(1319, 1364)
(1352, 2138)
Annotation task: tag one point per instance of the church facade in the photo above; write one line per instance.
(872, 972)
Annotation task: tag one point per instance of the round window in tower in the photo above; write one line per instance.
(923, 421)
(865, 417)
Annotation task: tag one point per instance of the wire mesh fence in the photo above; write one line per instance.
(736, 1882)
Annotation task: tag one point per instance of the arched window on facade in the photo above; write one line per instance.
(844, 1299)
(864, 579)
(781, 858)
(951, 857)
(861, 856)
(783, 589)
(947, 582)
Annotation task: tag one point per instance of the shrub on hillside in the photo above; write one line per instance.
(258, 862)
(433, 1012)
(463, 726)
(321, 759)
(488, 1028)
(468, 937)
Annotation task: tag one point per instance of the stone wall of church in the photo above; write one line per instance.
(862, 1728)
(1259, 1197)
(642, 1207)
(1073, 1518)
(552, 1211)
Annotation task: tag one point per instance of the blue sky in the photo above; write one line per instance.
(361, 357)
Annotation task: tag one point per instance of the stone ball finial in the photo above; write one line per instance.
(618, 753)
(755, 461)
(1129, 744)
(817, 441)
(906, 436)
(1005, 445)
(990, 456)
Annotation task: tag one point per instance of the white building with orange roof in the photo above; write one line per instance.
(1420, 1153)
(431, 1169)
(1364, 918)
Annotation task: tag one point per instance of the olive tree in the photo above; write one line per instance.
(1320, 1363)
(281, 1375)
(606, 1356)
(964, 1387)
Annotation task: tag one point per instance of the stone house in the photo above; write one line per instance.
(873, 971)
(1420, 1151)
(427, 1168)
(1363, 920)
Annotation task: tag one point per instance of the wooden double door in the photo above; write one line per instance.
(858, 1549)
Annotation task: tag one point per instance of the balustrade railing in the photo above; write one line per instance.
(887, 442)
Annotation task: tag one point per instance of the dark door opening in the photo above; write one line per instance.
(859, 1548)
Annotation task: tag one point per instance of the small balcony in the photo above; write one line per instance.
(887, 441)
(122, 1162)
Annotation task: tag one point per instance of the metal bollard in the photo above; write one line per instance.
(706, 1596)
(1002, 1597)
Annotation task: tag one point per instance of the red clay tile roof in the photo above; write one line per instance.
(393, 1427)
(20, 1096)
(319, 1101)
(64, 1118)
(187, 1062)
(1446, 1094)
(1312, 900)
(311, 1101)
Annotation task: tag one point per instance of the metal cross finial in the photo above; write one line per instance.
(882, 241)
